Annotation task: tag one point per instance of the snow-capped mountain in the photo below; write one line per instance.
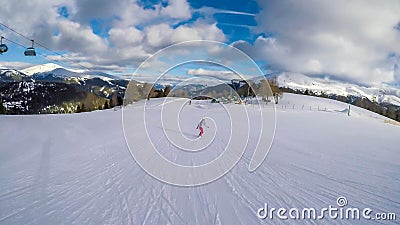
(51, 88)
(10, 75)
(45, 68)
(296, 81)
(55, 70)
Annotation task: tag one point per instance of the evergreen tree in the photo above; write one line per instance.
(114, 100)
(324, 95)
(274, 87)
(120, 101)
(360, 102)
(133, 94)
(263, 90)
(276, 92)
(78, 109)
(391, 112)
(145, 92)
(2, 108)
(276, 97)
(83, 107)
(106, 105)
(167, 90)
(160, 93)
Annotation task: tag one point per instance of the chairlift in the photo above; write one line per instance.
(3, 47)
(30, 51)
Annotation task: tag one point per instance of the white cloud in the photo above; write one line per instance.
(78, 38)
(349, 40)
(179, 9)
(224, 75)
(123, 43)
(211, 11)
(161, 35)
(158, 35)
(205, 72)
(129, 36)
(14, 65)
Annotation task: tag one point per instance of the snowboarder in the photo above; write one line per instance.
(200, 126)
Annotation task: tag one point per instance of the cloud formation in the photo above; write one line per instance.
(348, 40)
(127, 34)
(223, 75)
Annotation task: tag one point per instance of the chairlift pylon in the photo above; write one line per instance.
(30, 51)
(3, 47)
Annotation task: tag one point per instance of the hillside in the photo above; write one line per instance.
(51, 88)
(383, 99)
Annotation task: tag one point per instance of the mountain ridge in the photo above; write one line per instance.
(302, 82)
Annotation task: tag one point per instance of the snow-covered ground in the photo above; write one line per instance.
(77, 168)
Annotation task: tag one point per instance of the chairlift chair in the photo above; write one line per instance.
(3, 47)
(30, 51)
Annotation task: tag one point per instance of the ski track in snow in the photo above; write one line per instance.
(76, 169)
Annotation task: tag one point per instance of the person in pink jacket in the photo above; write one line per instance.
(201, 126)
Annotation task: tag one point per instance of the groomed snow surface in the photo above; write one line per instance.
(77, 169)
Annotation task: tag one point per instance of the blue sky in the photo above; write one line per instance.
(229, 15)
(235, 26)
(353, 41)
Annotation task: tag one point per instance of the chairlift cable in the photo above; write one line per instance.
(41, 54)
(41, 45)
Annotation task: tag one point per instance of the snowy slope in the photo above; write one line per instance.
(302, 82)
(76, 168)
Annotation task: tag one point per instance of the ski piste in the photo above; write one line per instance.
(77, 169)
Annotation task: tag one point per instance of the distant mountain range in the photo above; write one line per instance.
(295, 81)
(51, 88)
(52, 72)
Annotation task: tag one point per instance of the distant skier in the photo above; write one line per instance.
(201, 126)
